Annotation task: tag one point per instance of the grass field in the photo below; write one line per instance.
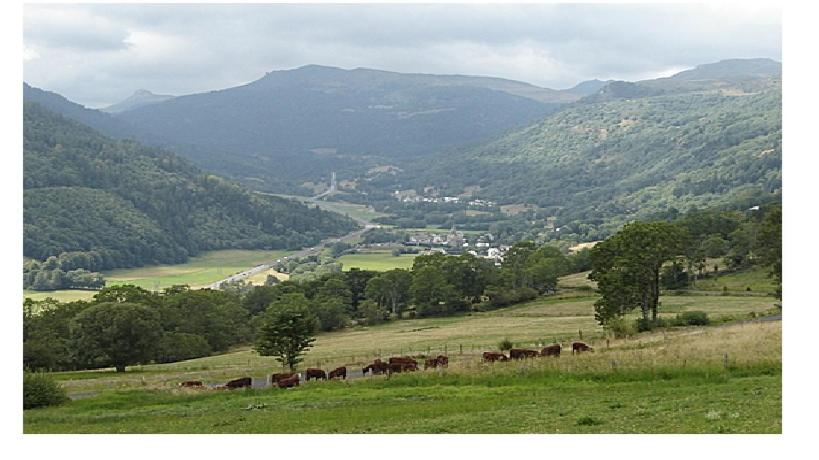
(376, 260)
(356, 211)
(755, 278)
(464, 337)
(697, 380)
(197, 272)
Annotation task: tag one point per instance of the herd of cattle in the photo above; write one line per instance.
(392, 366)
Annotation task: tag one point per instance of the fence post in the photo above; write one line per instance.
(607, 343)
(460, 349)
(580, 333)
(445, 349)
(725, 361)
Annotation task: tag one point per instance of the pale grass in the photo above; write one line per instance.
(464, 338)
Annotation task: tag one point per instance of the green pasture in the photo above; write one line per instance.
(198, 271)
(675, 382)
(376, 260)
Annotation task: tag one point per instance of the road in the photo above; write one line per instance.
(352, 236)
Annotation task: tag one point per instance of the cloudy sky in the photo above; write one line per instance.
(99, 54)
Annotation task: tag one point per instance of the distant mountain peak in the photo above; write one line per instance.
(139, 98)
(732, 69)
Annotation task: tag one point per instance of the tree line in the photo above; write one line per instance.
(125, 325)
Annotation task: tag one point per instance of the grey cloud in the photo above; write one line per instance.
(104, 52)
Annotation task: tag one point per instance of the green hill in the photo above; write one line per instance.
(121, 204)
(632, 150)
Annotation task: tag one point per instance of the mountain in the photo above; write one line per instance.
(140, 98)
(121, 204)
(587, 87)
(302, 123)
(733, 70)
(100, 121)
(632, 150)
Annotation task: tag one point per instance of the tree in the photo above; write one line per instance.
(627, 267)
(432, 294)
(117, 334)
(769, 245)
(390, 290)
(287, 330)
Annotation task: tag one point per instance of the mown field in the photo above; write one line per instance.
(199, 271)
(696, 380)
(376, 260)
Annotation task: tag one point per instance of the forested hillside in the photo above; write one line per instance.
(633, 153)
(128, 205)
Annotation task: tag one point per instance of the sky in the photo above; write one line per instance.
(99, 54)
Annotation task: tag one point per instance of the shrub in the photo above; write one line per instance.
(506, 344)
(692, 318)
(619, 327)
(40, 390)
(644, 325)
(588, 421)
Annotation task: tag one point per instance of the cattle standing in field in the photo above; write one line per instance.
(314, 374)
(288, 382)
(440, 360)
(577, 347)
(239, 383)
(492, 356)
(521, 353)
(377, 367)
(397, 367)
(551, 350)
(403, 360)
(338, 372)
(191, 383)
(276, 377)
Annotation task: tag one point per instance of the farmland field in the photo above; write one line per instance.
(695, 380)
(376, 260)
(199, 271)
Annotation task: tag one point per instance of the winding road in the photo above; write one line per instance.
(352, 236)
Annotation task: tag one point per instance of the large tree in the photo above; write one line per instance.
(115, 334)
(769, 245)
(627, 267)
(287, 330)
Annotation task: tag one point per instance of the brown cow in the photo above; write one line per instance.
(401, 367)
(288, 382)
(403, 360)
(315, 374)
(276, 377)
(439, 360)
(239, 383)
(551, 350)
(577, 347)
(338, 372)
(521, 353)
(191, 383)
(377, 367)
(492, 356)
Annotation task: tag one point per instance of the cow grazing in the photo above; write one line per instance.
(276, 377)
(492, 356)
(288, 382)
(442, 360)
(243, 382)
(313, 373)
(551, 350)
(401, 367)
(338, 372)
(521, 353)
(577, 347)
(191, 383)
